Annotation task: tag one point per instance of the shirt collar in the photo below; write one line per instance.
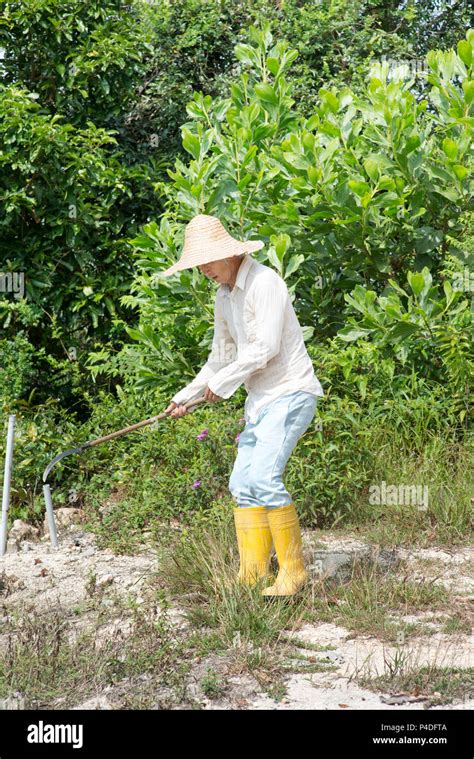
(241, 275)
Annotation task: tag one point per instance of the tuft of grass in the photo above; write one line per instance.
(446, 467)
(201, 568)
(366, 602)
(204, 643)
(307, 663)
(201, 565)
(212, 685)
(42, 662)
(277, 691)
(439, 684)
(457, 624)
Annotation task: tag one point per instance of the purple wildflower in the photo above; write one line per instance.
(202, 434)
(237, 437)
(196, 484)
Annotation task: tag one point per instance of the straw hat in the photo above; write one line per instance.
(205, 240)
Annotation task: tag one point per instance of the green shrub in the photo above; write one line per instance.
(367, 189)
(425, 332)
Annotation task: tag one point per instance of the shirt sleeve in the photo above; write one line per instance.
(223, 351)
(269, 298)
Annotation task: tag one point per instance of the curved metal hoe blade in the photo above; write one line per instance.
(58, 458)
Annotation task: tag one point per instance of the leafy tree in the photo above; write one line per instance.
(83, 57)
(71, 189)
(427, 24)
(363, 191)
(429, 332)
(63, 216)
(192, 50)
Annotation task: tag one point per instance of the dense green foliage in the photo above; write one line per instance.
(363, 193)
(290, 122)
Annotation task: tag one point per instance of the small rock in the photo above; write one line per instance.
(402, 699)
(96, 702)
(104, 580)
(22, 530)
(12, 546)
(64, 517)
(13, 702)
(334, 655)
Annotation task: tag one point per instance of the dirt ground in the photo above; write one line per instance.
(37, 577)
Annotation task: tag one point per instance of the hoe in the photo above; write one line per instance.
(90, 444)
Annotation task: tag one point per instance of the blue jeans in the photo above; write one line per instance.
(265, 447)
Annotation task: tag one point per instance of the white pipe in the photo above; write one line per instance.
(6, 483)
(50, 513)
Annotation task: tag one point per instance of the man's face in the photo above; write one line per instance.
(218, 271)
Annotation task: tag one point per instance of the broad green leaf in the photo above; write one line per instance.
(314, 175)
(465, 52)
(349, 334)
(274, 260)
(282, 243)
(267, 93)
(416, 282)
(447, 192)
(448, 291)
(194, 110)
(294, 264)
(450, 148)
(191, 143)
(250, 154)
(273, 65)
(460, 171)
(397, 288)
(372, 167)
(412, 143)
(468, 87)
(360, 188)
(246, 53)
(330, 99)
(403, 329)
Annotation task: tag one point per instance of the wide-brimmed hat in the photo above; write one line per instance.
(205, 240)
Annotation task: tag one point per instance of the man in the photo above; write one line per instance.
(257, 341)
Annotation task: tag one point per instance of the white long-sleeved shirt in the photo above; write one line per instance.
(257, 341)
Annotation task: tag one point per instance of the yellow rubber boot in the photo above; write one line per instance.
(285, 529)
(255, 542)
